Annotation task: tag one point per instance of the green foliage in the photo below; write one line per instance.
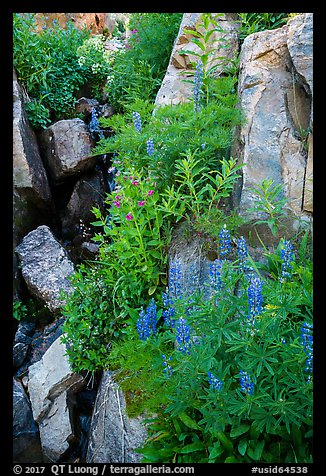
(210, 221)
(197, 423)
(189, 174)
(38, 114)
(138, 70)
(153, 38)
(129, 268)
(46, 63)
(95, 59)
(176, 130)
(19, 310)
(270, 203)
(129, 81)
(202, 37)
(197, 189)
(254, 22)
(90, 325)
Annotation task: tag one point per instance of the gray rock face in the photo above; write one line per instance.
(45, 266)
(26, 439)
(23, 339)
(87, 193)
(66, 148)
(275, 94)
(32, 197)
(173, 89)
(193, 259)
(113, 436)
(50, 380)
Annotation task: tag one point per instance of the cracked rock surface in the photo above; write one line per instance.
(276, 94)
(50, 380)
(45, 266)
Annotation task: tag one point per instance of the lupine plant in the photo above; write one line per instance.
(230, 395)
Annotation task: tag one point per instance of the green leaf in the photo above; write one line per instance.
(189, 422)
(193, 33)
(97, 223)
(152, 290)
(197, 446)
(198, 43)
(216, 451)
(242, 447)
(256, 452)
(231, 459)
(239, 430)
(226, 442)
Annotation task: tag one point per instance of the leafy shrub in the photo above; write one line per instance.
(138, 70)
(254, 22)
(153, 37)
(176, 130)
(130, 267)
(166, 165)
(89, 326)
(38, 114)
(46, 63)
(236, 367)
(93, 56)
(19, 310)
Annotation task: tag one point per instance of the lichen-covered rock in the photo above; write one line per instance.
(192, 255)
(26, 439)
(32, 197)
(66, 149)
(50, 381)
(173, 89)
(45, 266)
(276, 100)
(113, 435)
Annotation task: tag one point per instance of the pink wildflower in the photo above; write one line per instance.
(135, 182)
(117, 204)
(129, 216)
(141, 203)
(150, 192)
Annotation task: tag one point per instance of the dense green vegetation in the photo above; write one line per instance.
(234, 357)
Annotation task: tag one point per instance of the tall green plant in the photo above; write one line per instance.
(47, 65)
(236, 367)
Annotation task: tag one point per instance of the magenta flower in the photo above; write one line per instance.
(129, 216)
(141, 203)
(135, 182)
(117, 204)
(150, 192)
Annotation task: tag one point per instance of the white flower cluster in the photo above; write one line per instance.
(94, 55)
(96, 68)
(95, 42)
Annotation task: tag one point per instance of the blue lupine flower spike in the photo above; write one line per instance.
(247, 386)
(215, 275)
(183, 336)
(150, 147)
(214, 382)
(307, 344)
(167, 369)
(146, 323)
(137, 121)
(255, 298)
(224, 243)
(198, 81)
(287, 256)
